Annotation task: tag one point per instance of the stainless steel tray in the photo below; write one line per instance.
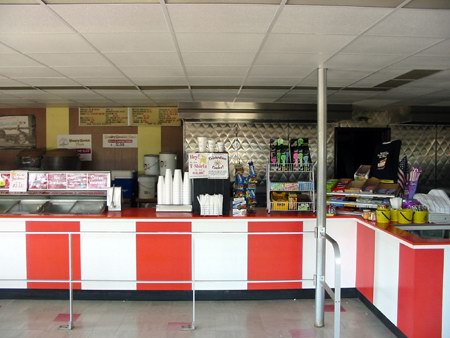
(58, 207)
(27, 207)
(88, 207)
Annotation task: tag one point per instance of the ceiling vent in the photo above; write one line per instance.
(408, 77)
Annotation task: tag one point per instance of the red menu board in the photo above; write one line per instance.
(97, 181)
(57, 181)
(77, 181)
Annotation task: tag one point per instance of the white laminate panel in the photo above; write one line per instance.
(13, 254)
(309, 253)
(446, 295)
(221, 258)
(220, 225)
(343, 232)
(387, 254)
(108, 256)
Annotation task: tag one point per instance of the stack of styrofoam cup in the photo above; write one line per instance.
(202, 142)
(177, 187)
(160, 191)
(187, 189)
(168, 187)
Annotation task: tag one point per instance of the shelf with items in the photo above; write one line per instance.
(358, 200)
(290, 187)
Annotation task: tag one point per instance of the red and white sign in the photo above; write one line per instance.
(18, 181)
(82, 144)
(120, 141)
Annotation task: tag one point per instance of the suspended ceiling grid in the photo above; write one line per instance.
(134, 53)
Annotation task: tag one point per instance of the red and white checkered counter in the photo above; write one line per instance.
(138, 249)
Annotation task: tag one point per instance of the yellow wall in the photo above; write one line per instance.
(57, 124)
(149, 142)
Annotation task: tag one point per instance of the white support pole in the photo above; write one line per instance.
(321, 194)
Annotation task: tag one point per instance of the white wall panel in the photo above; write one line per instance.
(387, 254)
(220, 256)
(13, 260)
(309, 253)
(108, 256)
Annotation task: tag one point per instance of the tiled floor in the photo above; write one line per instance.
(158, 319)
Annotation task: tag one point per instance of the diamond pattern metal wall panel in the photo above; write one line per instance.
(418, 144)
(443, 156)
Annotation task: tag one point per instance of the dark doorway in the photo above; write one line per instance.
(356, 146)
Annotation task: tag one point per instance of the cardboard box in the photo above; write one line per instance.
(354, 186)
(371, 185)
(362, 173)
(388, 189)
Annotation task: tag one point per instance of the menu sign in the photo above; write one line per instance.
(98, 181)
(198, 165)
(164, 116)
(120, 141)
(57, 181)
(77, 181)
(103, 117)
(81, 143)
(217, 166)
(18, 181)
(4, 180)
(37, 181)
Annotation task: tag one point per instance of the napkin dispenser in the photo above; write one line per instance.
(114, 199)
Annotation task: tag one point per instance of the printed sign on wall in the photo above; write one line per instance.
(120, 141)
(103, 117)
(82, 144)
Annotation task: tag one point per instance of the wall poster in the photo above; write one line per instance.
(81, 143)
(120, 141)
(17, 131)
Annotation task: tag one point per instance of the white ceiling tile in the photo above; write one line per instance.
(362, 62)
(271, 81)
(219, 42)
(46, 43)
(425, 62)
(99, 81)
(306, 43)
(290, 59)
(214, 97)
(32, 94)
(416, 23)
(404, 92)
(20, 72)
(75, 94)
(215, 81)
(256, 99)
(231, 91)
(17, 60)
(353, 94)
(336, 78)
(5, 82)
(264, 93)
(217, 59)
(221, 18)
(30, 19)
(160, 81)
(120, 94)
(111, 18)
(5, 49)
(144, 59)
(442, 48)
(301, 92)
(297, 99)
(49, 81)
(170, 97)
(132, 42)
(153, 71)
(88, 71)
(166, 93)
(388, 45)
(70, 59)
(374, 103)
(327, 19)
(280, 71)
(379, 77)
(216, 70)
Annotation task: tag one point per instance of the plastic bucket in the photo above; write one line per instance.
(394, 215)
(420, 217)
(151, 165)
(383, 216)
(147, 186)
(167, 161)
(405, 216)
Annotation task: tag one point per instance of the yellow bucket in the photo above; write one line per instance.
(394, 215)
(405, 216)
(383, 216)
(420, 217)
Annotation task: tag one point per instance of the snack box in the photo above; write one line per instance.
(354, 186)
(388, 189)
(341, 184)
(371, 185)
(362, 173)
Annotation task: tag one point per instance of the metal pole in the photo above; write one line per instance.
(321, 194)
